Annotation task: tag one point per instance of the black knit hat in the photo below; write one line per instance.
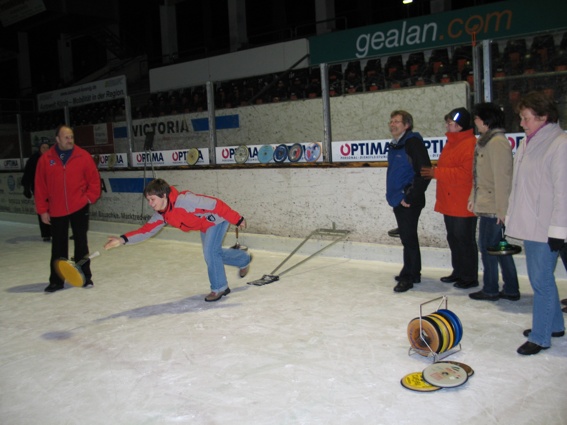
(461, 116)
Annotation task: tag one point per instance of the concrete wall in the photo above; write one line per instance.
(362, 116)
(287, 200)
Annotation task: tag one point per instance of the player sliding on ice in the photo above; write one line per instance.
(188, 211)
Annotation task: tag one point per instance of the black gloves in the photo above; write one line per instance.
(27, 193)
(555, 244)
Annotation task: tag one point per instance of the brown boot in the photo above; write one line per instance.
(215, 296)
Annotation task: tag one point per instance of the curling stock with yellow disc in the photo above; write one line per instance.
(71, 272)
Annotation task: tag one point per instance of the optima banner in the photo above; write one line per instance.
(377, 150)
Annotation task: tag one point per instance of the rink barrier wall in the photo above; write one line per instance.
(431, 257)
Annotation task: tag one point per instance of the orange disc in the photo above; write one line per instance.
(423, 336)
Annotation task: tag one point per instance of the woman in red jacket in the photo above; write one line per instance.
(454, 182)
(188, 211)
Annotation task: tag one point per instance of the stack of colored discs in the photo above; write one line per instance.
(437, 332)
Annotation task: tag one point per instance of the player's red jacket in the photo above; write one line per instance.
(186, 211)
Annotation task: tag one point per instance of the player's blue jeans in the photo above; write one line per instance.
(216, 256)
(547, 314)
(490, 234)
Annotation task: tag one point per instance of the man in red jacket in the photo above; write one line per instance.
(66, 183)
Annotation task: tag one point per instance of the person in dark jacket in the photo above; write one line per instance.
(28, 180)
(67, 182)
(405, 191)
(189, 211)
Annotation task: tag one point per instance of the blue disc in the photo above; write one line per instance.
(265, 154)
(459, 325)
(280, 153)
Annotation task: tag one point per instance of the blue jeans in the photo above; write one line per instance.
(489, 234)
(547, 314)
(216, 256)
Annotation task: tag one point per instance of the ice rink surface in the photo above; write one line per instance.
(327, 344)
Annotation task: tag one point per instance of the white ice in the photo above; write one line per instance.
(327, 344)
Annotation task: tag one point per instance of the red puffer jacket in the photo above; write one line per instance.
(61, 189)
(454, 174)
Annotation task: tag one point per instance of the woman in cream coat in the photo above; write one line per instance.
(537, 212)
(492, 182)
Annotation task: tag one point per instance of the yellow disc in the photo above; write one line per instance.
(443, 333)
(192, 156)
(447, 326)
(414, 381)
(69, 273)
(112, 160)
(241, 154)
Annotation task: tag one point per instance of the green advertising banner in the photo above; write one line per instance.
(507, 19)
